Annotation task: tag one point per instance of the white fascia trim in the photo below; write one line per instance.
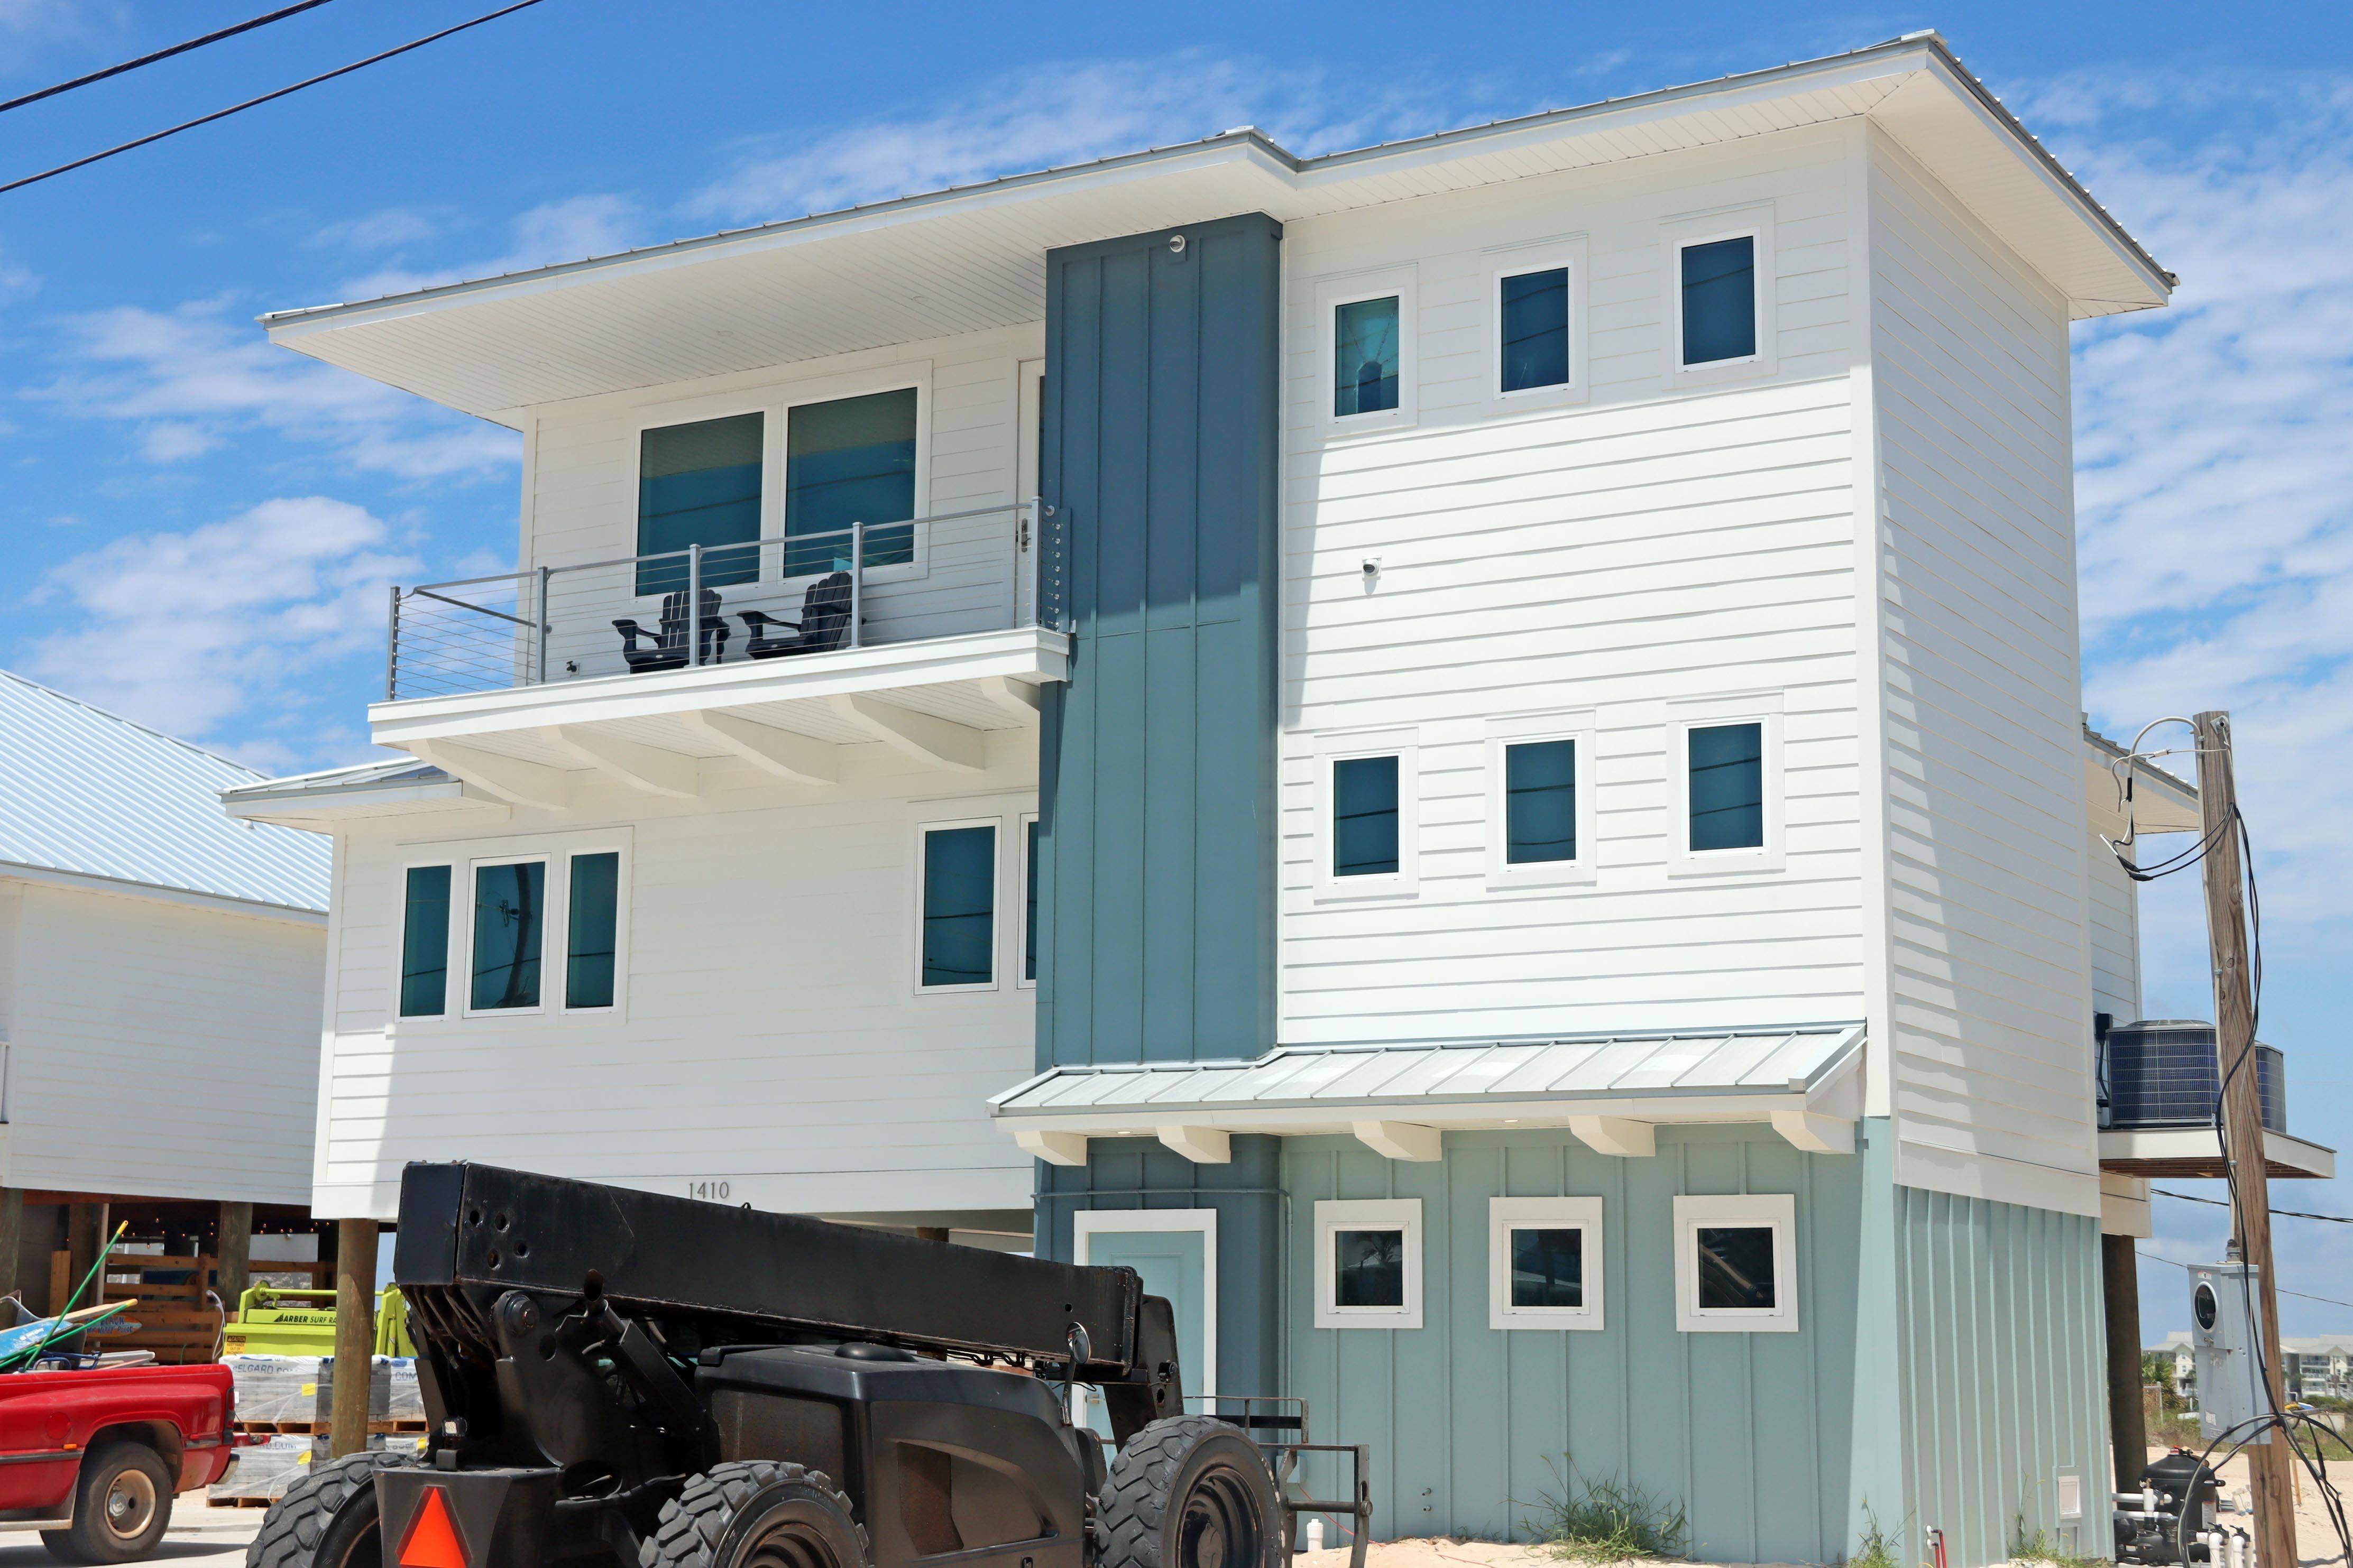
(218, 903)
(1141, 1121)
(1032, 654)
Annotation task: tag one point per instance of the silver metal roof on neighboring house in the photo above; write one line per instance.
(1646, 1066)
(84, 793)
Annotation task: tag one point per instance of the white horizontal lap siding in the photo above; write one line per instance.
(162, 1050)
(583, 507)
(1990, 957)
(772, 1039)
(1655, 544)
(2115, 935)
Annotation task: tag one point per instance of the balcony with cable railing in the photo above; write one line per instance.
(954, 618)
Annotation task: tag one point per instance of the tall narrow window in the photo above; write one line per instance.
(1534, 311)
(848, 461)
(509, 930)
(700, 484)
(1727, 786)
(1539, 802)
(1365, 817)
(425, 944)
(592, 932)
(959, 901)
(1719, 298)
(1364, 357)
(1029, 899)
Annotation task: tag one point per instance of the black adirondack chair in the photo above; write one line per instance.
(823, 624)
(669, 645)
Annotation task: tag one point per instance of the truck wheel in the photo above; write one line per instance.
(1190, 1491)
(123, 1502)
(757, 1513)
(328, 1519)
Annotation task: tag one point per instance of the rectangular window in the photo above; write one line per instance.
(1534, 313)
(1544, 1263)
(959, 905)
(1368, 1263)
(1719, 300)
(510, 931)
(1547, 1267)
(592, 931)
(425, 944)
(700, 484)
(1030, 900)
(1365, 817)
(1539, 802)
(1364, 357)
(849, 460)
(1736, 1263)
(1727, 786)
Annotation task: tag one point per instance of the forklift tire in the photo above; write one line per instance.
(328, 1519)
(757, 1513)
(1190, 1491)
(122, 1503)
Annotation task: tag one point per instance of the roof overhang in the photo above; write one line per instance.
(2186, 1152)
(1612, 1091)
(322, 802)
(971, 260)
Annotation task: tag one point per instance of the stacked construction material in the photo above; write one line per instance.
(290, 1400)
(263, 1473)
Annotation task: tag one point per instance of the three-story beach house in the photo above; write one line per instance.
(1467, 752)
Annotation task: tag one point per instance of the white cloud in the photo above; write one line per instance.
(184, 630)
(1094, 108)
(192, 376)
(384, 230)
(568, 230)
(29, 29)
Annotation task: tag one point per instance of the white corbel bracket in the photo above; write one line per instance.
(510, 779)
(1054, 1148)
(1401, 1140)
(1814, 1133)
(1615, 1135)
(1202, 1145)
(934, 743)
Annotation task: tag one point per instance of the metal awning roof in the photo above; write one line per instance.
(1623, 1083)
(317, 802)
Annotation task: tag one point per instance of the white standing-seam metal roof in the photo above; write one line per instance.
(1416, 1077)
(88, 796)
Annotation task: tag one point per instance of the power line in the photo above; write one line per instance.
(158, 55)
(2325, 1300)
(265, 98)
(2223, 1203)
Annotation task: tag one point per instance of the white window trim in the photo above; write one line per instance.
(1566, 254)
(1086, 1223)
(1022, 824)
(1329, 295)
(915, 373)
(1507, 1215)
(394, 1016)
(1777, 1210)
(621, 905)
(1576, 728)
(551, 933)
(1333, 1215)
(702, 411)
(1754, 222)
(997, 943)
(1405, 882)
(1762, 709)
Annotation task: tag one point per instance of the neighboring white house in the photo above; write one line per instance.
(161, 974)
(1475, 744)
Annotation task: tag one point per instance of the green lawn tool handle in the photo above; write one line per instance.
(59, 1316)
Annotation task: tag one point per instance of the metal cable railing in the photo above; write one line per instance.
(983, 569)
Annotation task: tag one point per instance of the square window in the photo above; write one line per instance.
(509, 927)
(1727, 786)
(849, 460)
(700, 484)
(1539, 802)
(425, 944)
(1368, 1263)
(1534, 311)
(1543, 1263)
(1736, 1263)
(1719, 300)
(1365, 357)
(1365, 817)
(958, 899)
(592, 929)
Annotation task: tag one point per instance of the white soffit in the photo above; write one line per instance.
(972, 259)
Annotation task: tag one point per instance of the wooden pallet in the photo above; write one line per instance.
(239, 1501)
(415, 1427)
(285, 1428)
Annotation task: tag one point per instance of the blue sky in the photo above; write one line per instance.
(197, 530)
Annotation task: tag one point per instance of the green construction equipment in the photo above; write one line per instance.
(273, 1319)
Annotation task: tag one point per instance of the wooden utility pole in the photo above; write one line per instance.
(2127, 1421)
(355, 1334)
(2242, 1118)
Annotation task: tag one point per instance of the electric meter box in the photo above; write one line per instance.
(2225, 1302)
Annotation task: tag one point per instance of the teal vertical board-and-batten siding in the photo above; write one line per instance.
(1159, 450)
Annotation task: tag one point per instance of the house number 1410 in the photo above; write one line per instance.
(717, 1192)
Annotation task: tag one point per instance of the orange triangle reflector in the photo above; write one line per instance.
(433, 1535)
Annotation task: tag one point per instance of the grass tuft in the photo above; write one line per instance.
(2041, 1548)
(1601, 1518)
(1877, 1548)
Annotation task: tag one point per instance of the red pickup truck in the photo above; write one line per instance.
(91, 1460)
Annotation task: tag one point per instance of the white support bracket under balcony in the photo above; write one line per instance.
(510, 779)
(799, 758)
(641, 767)
(935, 742)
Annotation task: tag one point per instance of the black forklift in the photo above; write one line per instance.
(619, 1379)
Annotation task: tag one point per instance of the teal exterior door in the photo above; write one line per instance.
(1172, 1263)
